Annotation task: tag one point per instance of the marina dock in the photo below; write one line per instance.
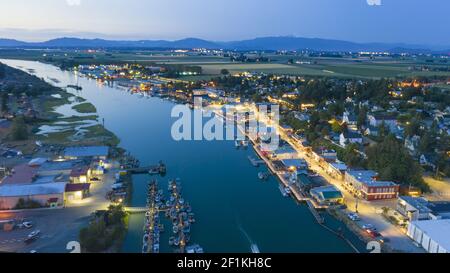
(155, 169)
(177, 210)
(298, 194)
(152, 228)
(255, 162)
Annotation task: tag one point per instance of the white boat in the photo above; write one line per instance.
(283, 190)
(287, 190)
(255, 248)
(237, 144)
(244, 143)
(263, 176)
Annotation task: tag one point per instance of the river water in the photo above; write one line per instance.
(233, 207)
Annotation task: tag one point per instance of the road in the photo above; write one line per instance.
(440, 189)
(369, 212)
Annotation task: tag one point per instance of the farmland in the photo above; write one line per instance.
(289, 64)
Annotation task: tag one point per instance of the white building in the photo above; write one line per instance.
(48, 194)
(348, 137)
(432, 235)
(388, 119)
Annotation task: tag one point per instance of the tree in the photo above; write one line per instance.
(393, 163)
(412, 127)
(362, 117)
(19, 129)
(4, 105)
(336, 127)
(351, 156)
(224, 72)
(2, 71)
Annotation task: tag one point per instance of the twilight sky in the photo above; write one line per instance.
(409, 21)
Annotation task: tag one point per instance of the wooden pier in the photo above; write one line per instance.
(314, 212)
(136, 210)
(255, 162)
(156, 169)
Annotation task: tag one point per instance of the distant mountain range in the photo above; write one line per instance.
(265, 43)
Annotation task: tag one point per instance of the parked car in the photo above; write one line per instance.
(373, 233)
(353, 216)
(27, 224)
(369, 226)
(32, 236)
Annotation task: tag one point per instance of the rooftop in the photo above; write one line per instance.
(77, 187)
(439, 207)
(419, 203)
(37, 161)
(88, 151)
(79, 171)
(352, 134)
(296, 162)
(21, 174)
(368, 177)
(32, 189)
(362, 175)
(339, 166)
(328, 192)
(437, 230)
(384, 116)
(57, 166)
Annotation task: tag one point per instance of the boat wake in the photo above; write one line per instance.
(254, 247)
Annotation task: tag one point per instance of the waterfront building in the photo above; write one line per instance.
(76, 192)
(45, 194)
(327, 195)
(364, 184)
(431, 235)
(295, 164)
(80, 174)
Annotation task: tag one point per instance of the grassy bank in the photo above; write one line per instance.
(85, 108)
(105, 232)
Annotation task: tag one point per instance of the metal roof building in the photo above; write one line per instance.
(32, 189)
(432, 235)
(87, 151)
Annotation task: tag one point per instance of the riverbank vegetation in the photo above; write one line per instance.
(85, 108)
(31, 104)
(106, 231)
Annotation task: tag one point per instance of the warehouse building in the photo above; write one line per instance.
(88, 152)
(48, 194)
(432, 235)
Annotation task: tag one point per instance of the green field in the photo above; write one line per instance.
(347, 67)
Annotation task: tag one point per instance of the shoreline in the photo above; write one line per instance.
(117, 146)
(48, 109)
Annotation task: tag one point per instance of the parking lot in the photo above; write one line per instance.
(58, 226)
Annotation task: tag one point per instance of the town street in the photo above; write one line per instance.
(369, 212)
